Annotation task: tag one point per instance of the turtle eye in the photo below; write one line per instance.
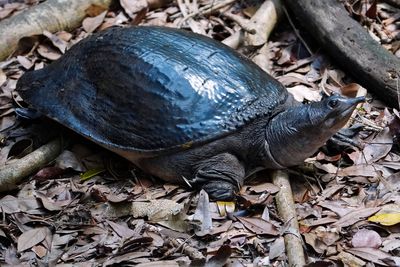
(333, 103)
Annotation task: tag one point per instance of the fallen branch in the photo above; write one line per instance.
(11, 174)
(263, 22)
(351, 46)
(52, 16)
(206, 10)
(285, 204)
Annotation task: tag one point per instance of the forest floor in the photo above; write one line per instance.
(91, 208)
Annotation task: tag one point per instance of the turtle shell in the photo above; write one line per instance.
(148, 89)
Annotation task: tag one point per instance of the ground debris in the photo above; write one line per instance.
(347, 199)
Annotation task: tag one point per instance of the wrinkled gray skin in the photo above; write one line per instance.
(220, 167)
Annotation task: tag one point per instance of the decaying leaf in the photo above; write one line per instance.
(350, 260)
(57, 41)
(377, 148)
(202, 214)
(132, 7)
(259, 226)
(355, 216)
(366, 238)
(91, 24)
(32, 237)
(301, 93)
(277, 248)
(48, 52)
(370, 254)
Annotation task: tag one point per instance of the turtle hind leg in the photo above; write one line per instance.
(221, 176)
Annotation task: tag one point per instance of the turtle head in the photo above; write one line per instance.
(298, 132)
(332, 112)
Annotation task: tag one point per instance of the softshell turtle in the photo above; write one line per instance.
(181, 106)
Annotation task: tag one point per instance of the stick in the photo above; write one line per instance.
(287, 211)
(52, 16)
(263, 22)
(11, 174)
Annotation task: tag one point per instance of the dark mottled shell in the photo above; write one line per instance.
(151, 89)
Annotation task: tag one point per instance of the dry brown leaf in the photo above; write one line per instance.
(52, 205)
(358, 170)
(8, 9)
(31, 238)
(221, 229)
(125, 258)
(313, 240)
(40, 251)
(291, 79)
(302, 92)
(377, 148)
(350, 90)
(355, 216)
(365, 238)
(121, 230)
(7, 122)
(390, 245)
(48, 173)
(132, 7)
(339, 207)
(264, 187)
(350, 260)
(9, 204)
(330, 191)
(322, 221)
(48, 52)
(259, 226)
(57, 41)
(220, 258)
(202, 214)
(370, 254)
(25, 62)
(277, 248)
(91, 24)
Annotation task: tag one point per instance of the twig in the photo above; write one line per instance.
(287, 211)
(296, 31)
(186, 249)
(205, 10)
(243, 23)
(263, 22)
(11, 174)
(52, 16)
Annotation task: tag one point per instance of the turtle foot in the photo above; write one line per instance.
(220, 190)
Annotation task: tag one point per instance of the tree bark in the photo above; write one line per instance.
(287, 211)
(13, 173)
(52, 16)
(350, 45)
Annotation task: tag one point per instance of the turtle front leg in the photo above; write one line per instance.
(220, 176)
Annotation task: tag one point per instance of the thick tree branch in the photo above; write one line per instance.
(52, 16)
(350, 45)
(11, 174)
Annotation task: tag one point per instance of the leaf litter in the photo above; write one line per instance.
(347, 200)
